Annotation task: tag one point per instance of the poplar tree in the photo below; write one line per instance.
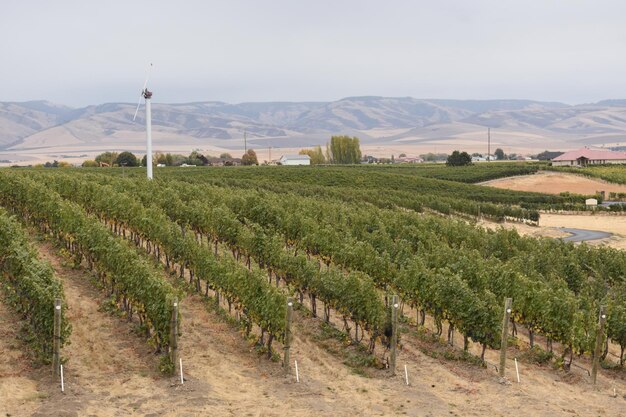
(344, 150)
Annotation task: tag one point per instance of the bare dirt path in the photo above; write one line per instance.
(19, 394)
(111, 370)
(228, 378)
(554, 183)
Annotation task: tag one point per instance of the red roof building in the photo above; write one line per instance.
(585, 156)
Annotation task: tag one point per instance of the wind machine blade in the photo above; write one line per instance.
(145, 84)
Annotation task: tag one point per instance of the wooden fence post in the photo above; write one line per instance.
(174, 335)
(599, 339)
(287, 346)
(56, 343)
(504, 336)
(394, 334)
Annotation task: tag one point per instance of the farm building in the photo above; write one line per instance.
(585, 156)
(295, 160)
(409, 160)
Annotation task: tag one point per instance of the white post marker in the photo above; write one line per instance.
(406, 375)
(297, 374)
(62, 382)
(182, 380)
(516, 370)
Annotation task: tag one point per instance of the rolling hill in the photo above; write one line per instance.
(384, 124)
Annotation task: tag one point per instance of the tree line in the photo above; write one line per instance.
(128, 159)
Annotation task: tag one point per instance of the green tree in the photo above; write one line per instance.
(548, 155)
(177, 159)
(196, 158)
(226, 155)
(500, 155)
(434, 157)
(159, 157)
(107, 158)
(249, 158)
(127, 159)
(344, 150)
(316, 155)
(90, 163)
(459, 159)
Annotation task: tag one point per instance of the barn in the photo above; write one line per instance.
(585, 156)
(295, 160)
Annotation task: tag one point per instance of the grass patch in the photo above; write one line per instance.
(354, 355)
(611, 366)
(437, 348)
(36, 396)
(166, 366)
(536, 355)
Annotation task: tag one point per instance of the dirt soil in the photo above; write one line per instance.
(556, 183)
(525, 229)
(18, 379)
(549, 223)
(112, 372)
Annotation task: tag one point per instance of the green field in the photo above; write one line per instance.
(416, 188)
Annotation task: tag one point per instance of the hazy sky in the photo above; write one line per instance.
(90, 52)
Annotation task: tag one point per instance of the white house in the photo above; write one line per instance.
(484, 158)
(585, 156)
(295, 160)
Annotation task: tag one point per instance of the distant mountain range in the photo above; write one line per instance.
(41, 126)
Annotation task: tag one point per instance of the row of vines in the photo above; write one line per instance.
(129, 278)
(30, 287)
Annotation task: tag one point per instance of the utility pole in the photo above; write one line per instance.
(489, 144)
